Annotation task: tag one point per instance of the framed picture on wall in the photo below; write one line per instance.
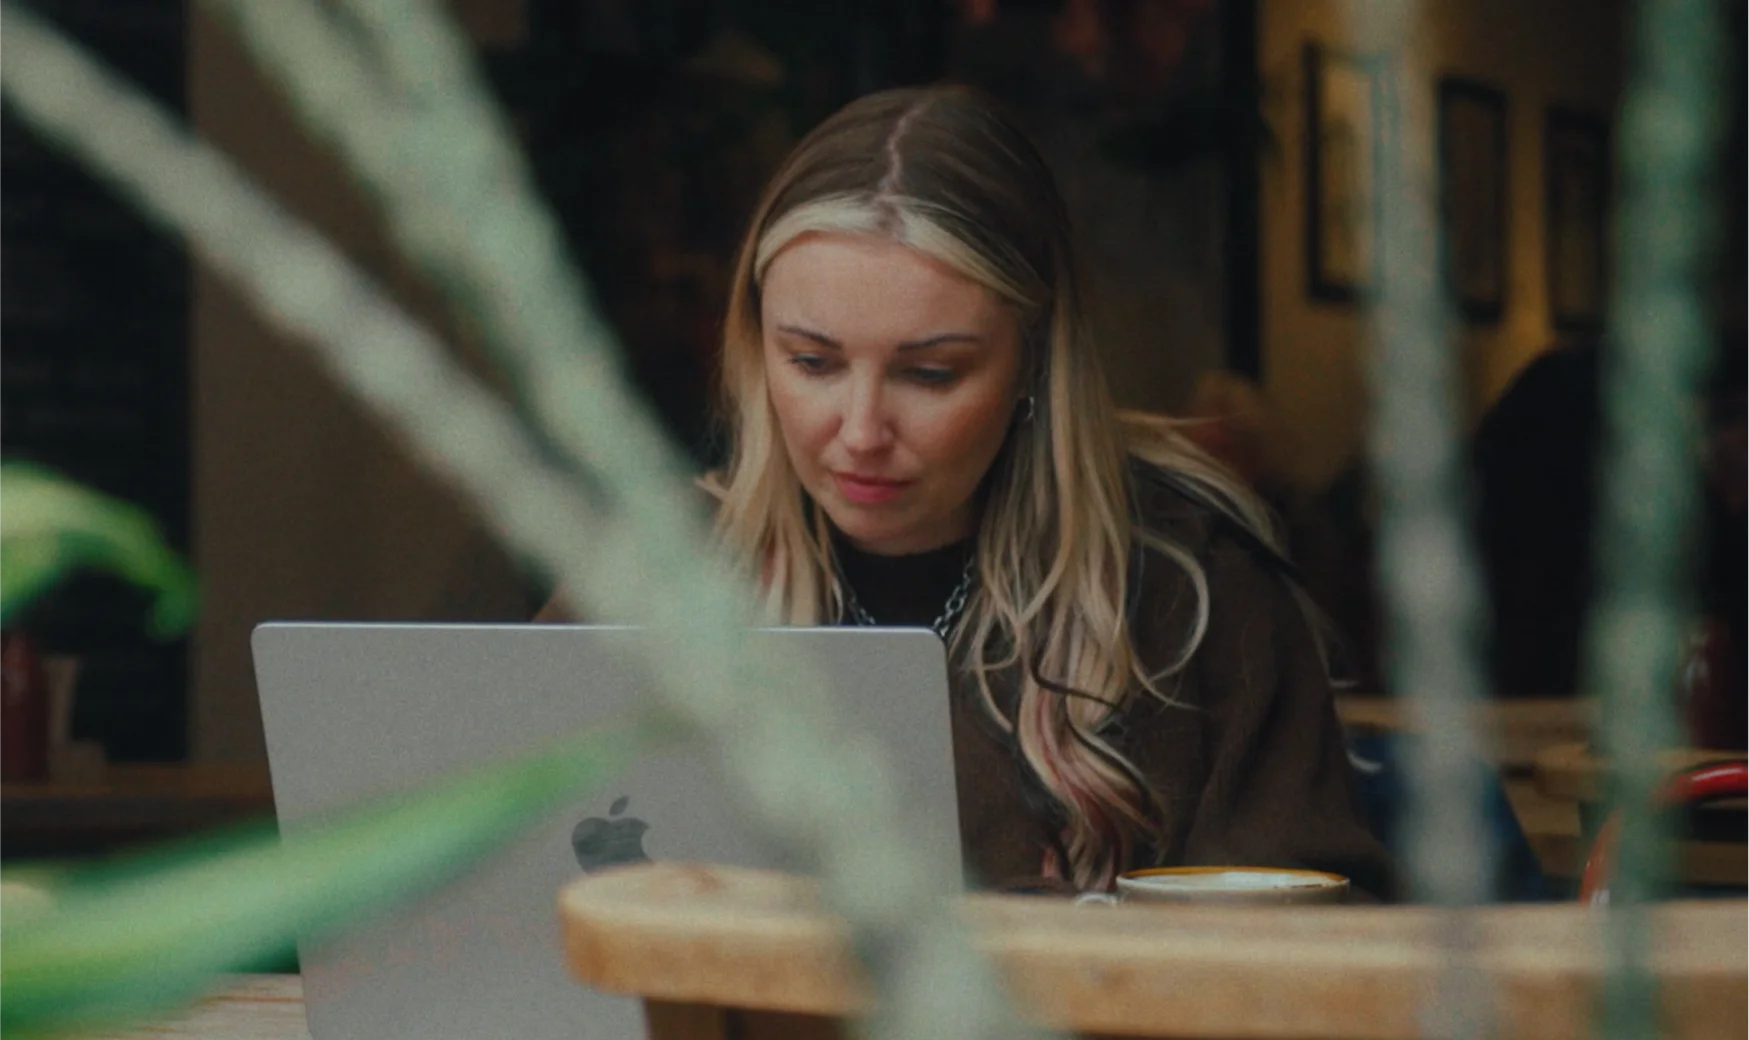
(1343, 110)
(1472, 196)
(1576, 163)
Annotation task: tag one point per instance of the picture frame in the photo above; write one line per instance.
(1576, 164)
(1344, 111)
(1473, 199)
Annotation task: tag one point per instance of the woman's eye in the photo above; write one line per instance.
(931, 376)
(813, 364)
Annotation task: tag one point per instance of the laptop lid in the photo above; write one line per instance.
(358, 711)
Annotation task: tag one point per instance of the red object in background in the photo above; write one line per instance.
(1709, 689)
(24, 710)
(1701, 784)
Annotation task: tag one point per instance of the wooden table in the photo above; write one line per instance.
(1551, 825)
(243, 1007)
(1572, 770)
(718, 952)
(130, 805)
(1513, 732)
(1573, 774)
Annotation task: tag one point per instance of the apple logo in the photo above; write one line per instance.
(609, 842)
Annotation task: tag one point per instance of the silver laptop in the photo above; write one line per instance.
(357, 711)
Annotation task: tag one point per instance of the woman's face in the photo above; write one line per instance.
(894, 379)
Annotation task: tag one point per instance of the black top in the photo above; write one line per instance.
(902, 590)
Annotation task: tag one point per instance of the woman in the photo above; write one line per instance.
(921, 434)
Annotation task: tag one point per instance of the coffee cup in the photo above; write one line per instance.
(1255, 885)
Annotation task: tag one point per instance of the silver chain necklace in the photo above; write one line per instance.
(956, 603)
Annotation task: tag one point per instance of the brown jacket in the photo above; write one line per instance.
(1249, 762)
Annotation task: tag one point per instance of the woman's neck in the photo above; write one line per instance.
(906, 589)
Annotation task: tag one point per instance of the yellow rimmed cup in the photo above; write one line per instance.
(1256, 885)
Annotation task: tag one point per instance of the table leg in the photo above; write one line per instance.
(669, 1021)
(747, 1024)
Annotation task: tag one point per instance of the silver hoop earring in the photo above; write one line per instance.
(1031, 409)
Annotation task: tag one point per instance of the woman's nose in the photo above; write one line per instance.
(866, 425)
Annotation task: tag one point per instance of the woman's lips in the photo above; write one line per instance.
(868, 490)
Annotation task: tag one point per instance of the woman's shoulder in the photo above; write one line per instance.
(1181, 509)
(1172, 504)
(1245, 577)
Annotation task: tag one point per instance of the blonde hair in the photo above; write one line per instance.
(942, 171)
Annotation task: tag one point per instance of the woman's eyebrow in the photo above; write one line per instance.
(941, 338)
(916, 344)
(809, 334)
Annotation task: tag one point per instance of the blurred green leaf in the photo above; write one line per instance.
(107, 945)
(50, 525)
